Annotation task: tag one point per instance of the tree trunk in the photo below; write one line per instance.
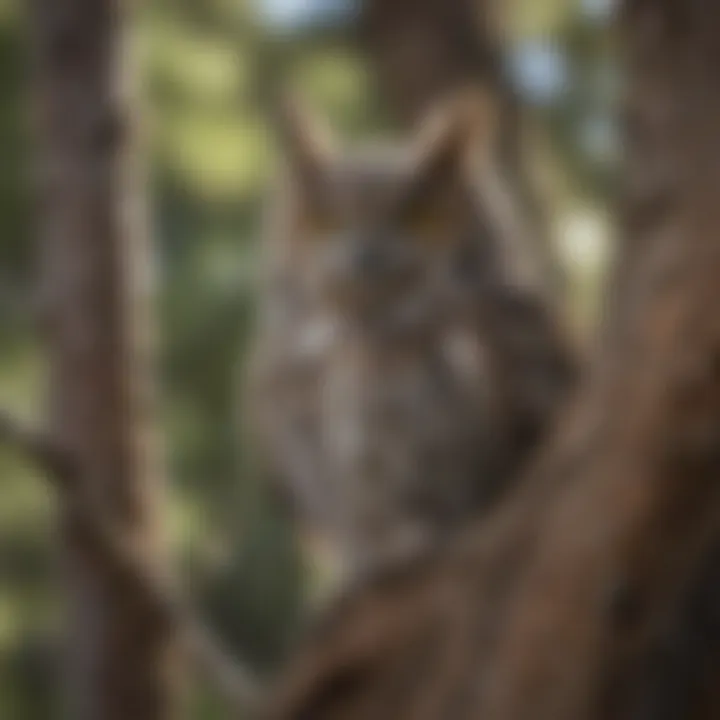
(593, 594)
(94, 266)
(423, 48)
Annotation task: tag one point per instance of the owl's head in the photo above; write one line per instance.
(382, 235)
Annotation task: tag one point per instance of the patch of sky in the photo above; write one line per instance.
(297, 15)
(598, 9)
(540, 71)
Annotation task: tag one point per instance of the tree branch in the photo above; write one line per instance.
(236, 682)
(37, 446)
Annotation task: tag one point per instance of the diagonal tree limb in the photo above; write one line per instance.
(237, 684)
(38, 447)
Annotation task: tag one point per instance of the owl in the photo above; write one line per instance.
(394, 288)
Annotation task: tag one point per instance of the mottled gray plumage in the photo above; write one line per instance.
(380, 377)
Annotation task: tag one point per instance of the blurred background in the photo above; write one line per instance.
(210, 160)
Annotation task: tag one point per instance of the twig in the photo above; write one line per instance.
(237, 684)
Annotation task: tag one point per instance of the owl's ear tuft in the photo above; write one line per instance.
(457, 134)
(475, 109)
(305, 142)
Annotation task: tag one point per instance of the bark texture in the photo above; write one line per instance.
(593, 593)
(95, 288)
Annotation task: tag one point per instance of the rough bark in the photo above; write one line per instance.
(593, 593)
(94, 267)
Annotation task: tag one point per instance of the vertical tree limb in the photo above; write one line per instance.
(95, 268)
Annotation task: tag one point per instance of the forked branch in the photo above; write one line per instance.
(233, 679)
